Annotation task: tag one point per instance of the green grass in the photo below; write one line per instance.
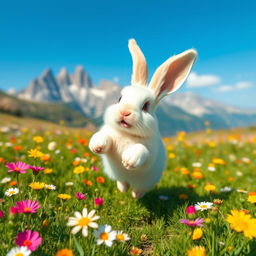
(152, 224)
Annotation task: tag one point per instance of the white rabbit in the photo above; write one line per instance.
(132, 151)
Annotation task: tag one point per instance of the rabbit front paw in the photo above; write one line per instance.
(99, 143)
(135, 156)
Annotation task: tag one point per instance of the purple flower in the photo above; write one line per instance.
(98, 201)
(18, 167)
(193, 223)
(80, 196)
(36, 169)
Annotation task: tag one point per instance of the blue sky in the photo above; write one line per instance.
(35, 35)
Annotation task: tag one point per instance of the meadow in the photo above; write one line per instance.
(50, 183)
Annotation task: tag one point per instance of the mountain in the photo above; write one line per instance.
(179, 111)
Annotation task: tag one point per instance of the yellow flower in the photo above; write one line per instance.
(242, 222)
(211, 144)
(210, 187)
(48, 171)
(64, 196)
(79, 169)
(38, 139)
(35, 153)
(196, 251)
(184, 171)
(197, 233)
(37, 185)
(207, 220)
(197, 175)
(251, 197)
(45, 157)
(219, 161)
(172, 155)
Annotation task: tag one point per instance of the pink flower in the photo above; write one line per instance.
(193, 223)
(80, 196)
(13, 210)
(18, 167)
(95, 168)
(1, 214)
(26, 206)
(191, 210)
(98, 201)
(36, 169)
(29, 238)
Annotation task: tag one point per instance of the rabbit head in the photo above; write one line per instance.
(134, 113)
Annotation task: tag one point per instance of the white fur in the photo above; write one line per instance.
(129, 142)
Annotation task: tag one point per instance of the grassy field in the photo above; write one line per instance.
(218, 168)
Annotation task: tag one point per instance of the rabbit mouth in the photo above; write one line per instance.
(124, 124)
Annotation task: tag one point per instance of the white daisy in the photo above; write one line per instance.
(105, 235)
(20, 251)
(122, 237)
(211, 168)
(203, 206)
(83, 221)
(197, 164)
(50, 186)
(52, 145)
(225, 189)
(11, 191)
(5, 180)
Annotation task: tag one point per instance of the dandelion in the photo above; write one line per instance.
(11, 192)
(37, 185)
(121, 236)
(64, 252)
(18, 167)
(98, 201)
(197, 234)
(64, 196)
(29, 238)
(80, 196)
(105, 235)
(83, 221)
(196, 251)
(192, 223)
(19, 251)
(50, 187)
(27, 206)
(202, 206)
(242, 222)
(251, 197)
(35, 153)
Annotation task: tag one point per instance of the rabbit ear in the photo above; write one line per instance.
(172, 74)
(139, 69)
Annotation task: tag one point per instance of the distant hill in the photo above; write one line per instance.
(75, 93)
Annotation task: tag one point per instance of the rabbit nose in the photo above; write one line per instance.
(125, 112)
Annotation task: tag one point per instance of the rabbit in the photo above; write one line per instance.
(129, 142)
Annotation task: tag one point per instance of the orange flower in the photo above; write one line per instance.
(86, 154)
(83, 142)
(87, 183)
(100, 179)
(17, 148)
(197, 175)
(184, 171)
(135, 251)
(13, 183)
(76, 163)
(64, 252)
(45, 157)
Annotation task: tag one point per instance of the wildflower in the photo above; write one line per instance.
(105, 235)
(13, 210)
(251, 197)
(37, 185)
(49, 186)
(207, 220)
(197, 175)
(38, 139)
(184, 171)
(190, 209)
(217, 201)
(79, 169)
(80, 196)
(64, 252)
(197, 165)
(69, 184)
(95, 168)
(29, 238)
(196, 251)
(52, 145)
(122, 237)
(135, 251)
(83, 221)
(172, 155)
(18, 167)
(1, 214)
(197, 234)
(203, 206)
(5, 180)
(19, 251)
(98, 201)
(11, 191)
(36, 169)
(48, 171)
(45, 157)
(218, 161)
(13, 183)
(211, 168)
(87, 183)
(210, 187)
(100, 179)
(27, 206)
(35, 153)
(192, 223)
(64, 196)
(242, 222)
(226, 189)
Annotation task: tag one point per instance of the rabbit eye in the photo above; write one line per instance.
(120, 99)
(145, 106)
